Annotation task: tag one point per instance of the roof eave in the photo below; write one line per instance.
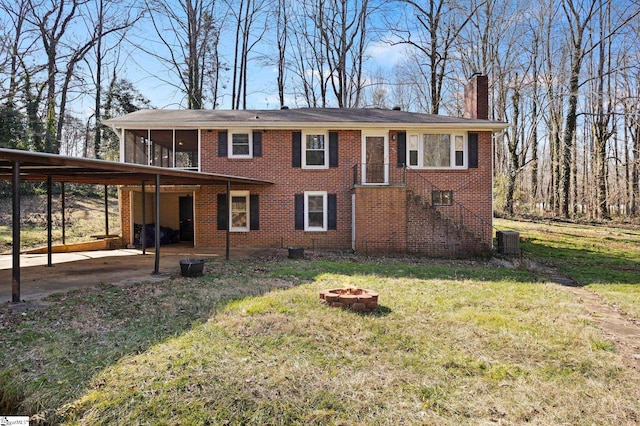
(493, 126)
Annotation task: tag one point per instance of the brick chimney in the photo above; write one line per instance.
(476, 97)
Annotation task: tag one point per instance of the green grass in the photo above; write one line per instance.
(605, 259)
(249, 343)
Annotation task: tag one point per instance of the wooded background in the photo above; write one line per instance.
(565, 74)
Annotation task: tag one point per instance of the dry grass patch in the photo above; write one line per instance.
(84, 216)
(438, 351)
(605, 259)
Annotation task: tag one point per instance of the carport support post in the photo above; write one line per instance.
(49, 221)
(143, 232)
(228, 218)
(156, 270)
(15, 287)
(64, 230)
(106, 211)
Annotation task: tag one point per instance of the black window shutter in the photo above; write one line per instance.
(333, 149)
(299, 211)
(222, 212)
(222, 144)
(402, 148)
(257, 144)
(473, 150)
(332, 214)
(296, 149)
(254, 212)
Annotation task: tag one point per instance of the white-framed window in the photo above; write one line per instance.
(315, 209)
(437, 151)
(315, 150)
(240, 144)
(412, 151)
(239, 213)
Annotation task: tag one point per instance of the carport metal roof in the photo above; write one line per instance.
(16, 166)
(35, 166)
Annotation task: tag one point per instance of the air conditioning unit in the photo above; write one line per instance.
(508, 242)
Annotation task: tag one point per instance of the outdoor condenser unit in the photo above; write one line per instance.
(508, 242)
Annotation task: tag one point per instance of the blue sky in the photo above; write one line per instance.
(147, 73)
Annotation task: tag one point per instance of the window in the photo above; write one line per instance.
(240, 145)
(459, 150)
(239, 211)
(244, 212)
(314, 151)
(413, 150)
(315, 206)
(441, 198)
(437, 150)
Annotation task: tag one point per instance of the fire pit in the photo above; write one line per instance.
(356, 299)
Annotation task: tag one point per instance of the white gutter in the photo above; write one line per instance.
(473, 125)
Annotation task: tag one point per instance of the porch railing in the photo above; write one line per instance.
(378, 174)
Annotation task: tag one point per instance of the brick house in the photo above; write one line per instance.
(371, 180)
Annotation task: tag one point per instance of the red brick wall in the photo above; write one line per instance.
(430, 233)
(476, 98)
(125, 215)
(277, 208)
(471, 187)
(381, 217)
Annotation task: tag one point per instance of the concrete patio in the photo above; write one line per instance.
(71, 271)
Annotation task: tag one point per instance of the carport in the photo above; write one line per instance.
(17, 166)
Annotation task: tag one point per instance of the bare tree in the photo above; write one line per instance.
(343, 28)
(52, 22)
(602, 114)
(16, 43)
(247, 14)
(103, 17)
(433, 28)
(282, 10)
(579, 16)
(190, 32)
(57, 22)
(307, 57)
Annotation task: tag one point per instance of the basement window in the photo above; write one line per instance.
(441, 198)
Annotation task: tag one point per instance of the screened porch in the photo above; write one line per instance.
(170, 148)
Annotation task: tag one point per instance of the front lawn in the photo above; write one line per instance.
(249, 343)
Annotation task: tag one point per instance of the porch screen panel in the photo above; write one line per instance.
(187, 149)
(135, 146)
(161, 146)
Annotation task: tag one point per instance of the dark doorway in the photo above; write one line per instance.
(374, 161)
(186, 218)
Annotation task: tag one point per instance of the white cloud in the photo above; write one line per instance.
(385, 55)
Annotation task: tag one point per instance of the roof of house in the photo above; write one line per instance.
(334, 118)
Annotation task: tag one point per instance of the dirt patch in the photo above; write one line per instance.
(622, 330)
(621, 268)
